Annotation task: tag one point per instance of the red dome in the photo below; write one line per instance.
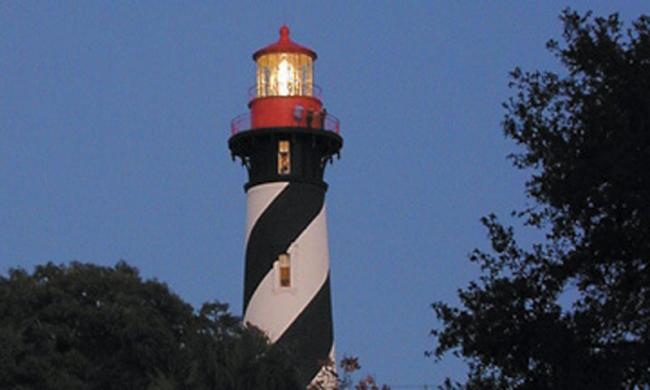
(284, 45)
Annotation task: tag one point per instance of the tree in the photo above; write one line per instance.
(572, 311)
(89, 327)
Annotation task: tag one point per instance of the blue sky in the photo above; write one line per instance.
(114, 118)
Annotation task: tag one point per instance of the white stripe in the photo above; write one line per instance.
(258, 199)
(326, 377)
(274, 309)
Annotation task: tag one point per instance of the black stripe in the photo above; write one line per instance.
(279, 225)
(310, 337)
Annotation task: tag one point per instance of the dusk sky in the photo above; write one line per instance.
(115, 116)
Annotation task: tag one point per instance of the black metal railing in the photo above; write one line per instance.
(244, 122)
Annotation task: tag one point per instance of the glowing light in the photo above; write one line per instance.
(284, 74)
(285, 78)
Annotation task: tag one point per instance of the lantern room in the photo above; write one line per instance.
(284, 94)
(284, 68)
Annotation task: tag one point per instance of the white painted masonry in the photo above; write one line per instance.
(272, 309)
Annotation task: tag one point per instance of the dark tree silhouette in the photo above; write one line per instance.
(89, 327)
(572, 312)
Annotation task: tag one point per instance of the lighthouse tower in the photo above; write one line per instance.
(285, 141)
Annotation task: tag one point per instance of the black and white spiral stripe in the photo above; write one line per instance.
(290, 218)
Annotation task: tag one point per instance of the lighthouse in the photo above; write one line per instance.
(285, 142)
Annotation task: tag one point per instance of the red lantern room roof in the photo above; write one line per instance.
(284, 45)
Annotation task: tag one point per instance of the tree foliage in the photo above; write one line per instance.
(89, 327)
(573, 311)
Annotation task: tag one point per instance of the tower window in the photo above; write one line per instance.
(284, 266)
(284, 158)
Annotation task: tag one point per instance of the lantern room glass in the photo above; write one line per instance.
(285, 74)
